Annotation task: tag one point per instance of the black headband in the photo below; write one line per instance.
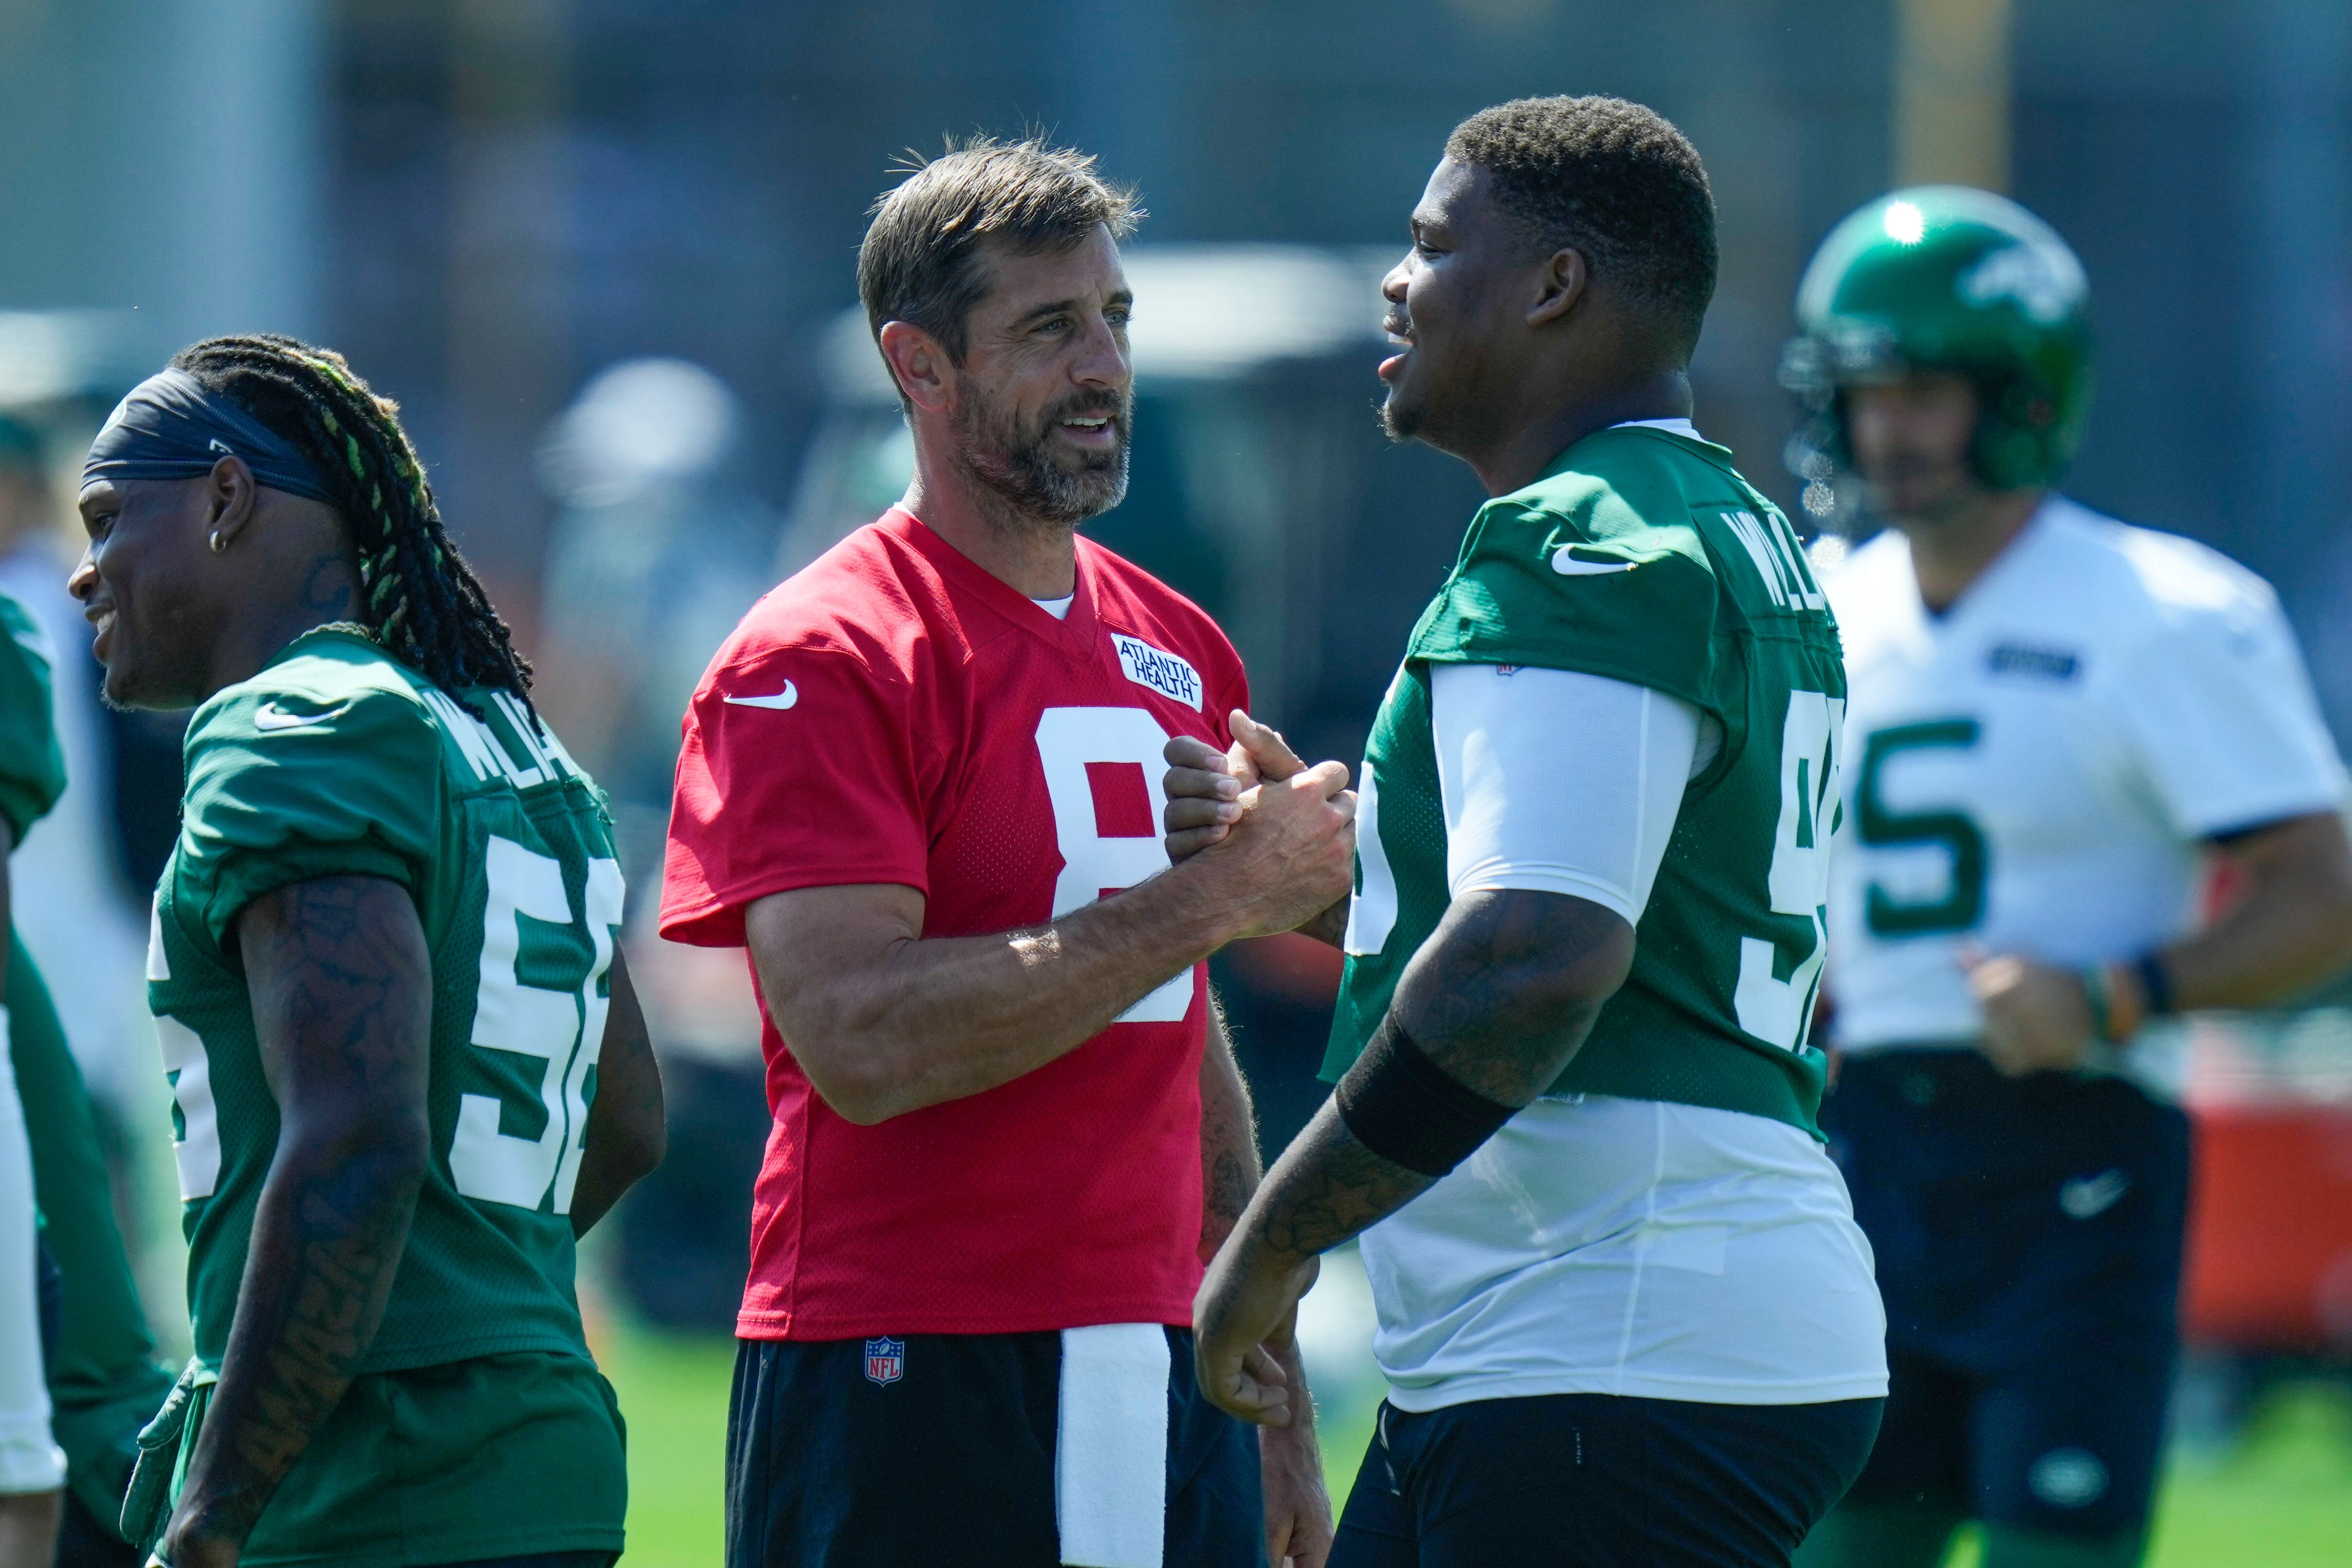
(170, 427)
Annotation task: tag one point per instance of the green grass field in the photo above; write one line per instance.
(2284, 1499)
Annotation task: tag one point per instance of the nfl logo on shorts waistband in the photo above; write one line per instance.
(886, 1361)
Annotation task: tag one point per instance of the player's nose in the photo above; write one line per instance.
(1103, 359)
(82, 582)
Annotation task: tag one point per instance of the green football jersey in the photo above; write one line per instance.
(32, 768)
(102, 1380)
(1644, 557)
(336, 760)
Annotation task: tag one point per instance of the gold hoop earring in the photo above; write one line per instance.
(220, 546)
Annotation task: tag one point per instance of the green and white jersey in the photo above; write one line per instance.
(1641, 556)
(1663, 1223)
(337, 760)
(2040, 768)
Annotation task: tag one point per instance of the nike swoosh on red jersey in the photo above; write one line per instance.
(784, 699)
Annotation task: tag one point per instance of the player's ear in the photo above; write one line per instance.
(1559, 286)
(919, 362)
(228, 500)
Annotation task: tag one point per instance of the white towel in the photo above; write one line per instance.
(1110, 1458)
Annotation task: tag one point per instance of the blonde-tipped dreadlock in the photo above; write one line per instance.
(419, 597)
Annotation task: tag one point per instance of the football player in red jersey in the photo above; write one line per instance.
(1007, 1125)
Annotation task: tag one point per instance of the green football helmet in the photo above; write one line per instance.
(1943, 277)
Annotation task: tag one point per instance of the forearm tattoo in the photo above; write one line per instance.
(1226, 1184)
(1326, 1189)
(1230, 1169)
(1500, 997)
(342, 991)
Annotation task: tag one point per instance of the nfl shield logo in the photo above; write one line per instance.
(886, 1361)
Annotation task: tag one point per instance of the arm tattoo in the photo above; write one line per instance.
(1508, 988)
(1325, 1188)
(1224, 1194)
(1500, 997)
(1229, 1158)
(342, 988)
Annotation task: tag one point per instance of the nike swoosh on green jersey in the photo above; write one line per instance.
(269, 716)
(1569, 566)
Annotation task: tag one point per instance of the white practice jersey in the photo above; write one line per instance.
(2039, 769)
(1630, 1247)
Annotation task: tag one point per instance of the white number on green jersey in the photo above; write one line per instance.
(1095, 759)
(1772, 1008)
(606, 895)
(1372, 912)
(195, 1146)
(565, 1028)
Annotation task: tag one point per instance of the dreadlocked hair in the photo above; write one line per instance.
(417, 597)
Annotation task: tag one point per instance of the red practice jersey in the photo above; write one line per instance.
(894, 713)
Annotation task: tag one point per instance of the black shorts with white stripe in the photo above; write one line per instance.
(938, 1450)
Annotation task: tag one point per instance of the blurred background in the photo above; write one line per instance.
(601, 253)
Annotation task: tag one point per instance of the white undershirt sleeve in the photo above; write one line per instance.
(1558, 782)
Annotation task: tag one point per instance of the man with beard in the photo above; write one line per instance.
(1007, 1124)
(1625, 1311)
(2061, 722)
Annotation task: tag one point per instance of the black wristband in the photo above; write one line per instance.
(1408, 1110)
(2155, 985)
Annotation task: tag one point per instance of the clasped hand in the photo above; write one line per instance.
(1287, 831)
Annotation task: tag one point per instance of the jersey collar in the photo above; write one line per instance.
(1073, 635)
(2015, 557)
(1688, 438)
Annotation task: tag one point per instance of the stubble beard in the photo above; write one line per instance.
(1017, 467)
(1410, 414)
(1932, 505)
(1399, 420)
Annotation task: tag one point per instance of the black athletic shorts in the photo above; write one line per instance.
(950, 1463)
(1597, 1480)
(2028, 1234)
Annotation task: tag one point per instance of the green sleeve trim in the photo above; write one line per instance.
(232, 895)
(1638, 609)
(291, 781)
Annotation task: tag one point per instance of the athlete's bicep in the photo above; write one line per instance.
(341, 982)
(821, 955)
(1558, 782)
